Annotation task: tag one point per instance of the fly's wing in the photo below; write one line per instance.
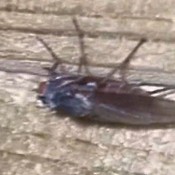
(133, 109)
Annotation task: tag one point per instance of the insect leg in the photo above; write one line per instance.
(83, 56)
(164, 89)
(162, 92)
(56, 59)
(125, 64)
(166, 86)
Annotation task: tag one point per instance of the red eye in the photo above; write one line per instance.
(42, 87)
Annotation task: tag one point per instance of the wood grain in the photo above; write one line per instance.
(36, 141)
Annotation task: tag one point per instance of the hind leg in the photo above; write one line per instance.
(83, 56)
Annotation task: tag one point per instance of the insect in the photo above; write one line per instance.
(103, 99)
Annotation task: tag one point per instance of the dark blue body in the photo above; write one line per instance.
(63, 93)
(112, 102)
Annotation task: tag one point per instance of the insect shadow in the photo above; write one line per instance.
(95, 99)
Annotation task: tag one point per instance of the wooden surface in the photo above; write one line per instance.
(37, 142)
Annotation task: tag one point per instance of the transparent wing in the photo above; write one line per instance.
(133, 109)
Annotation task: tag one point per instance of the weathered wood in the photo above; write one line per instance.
(36, 141)
(126, 26)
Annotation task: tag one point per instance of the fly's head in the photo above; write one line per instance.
(41, 90)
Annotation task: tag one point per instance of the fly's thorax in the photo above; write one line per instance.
(67, 93)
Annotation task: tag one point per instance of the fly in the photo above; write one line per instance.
(103, 99)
